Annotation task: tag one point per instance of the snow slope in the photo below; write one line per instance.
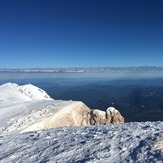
(23, 111)
(18, 117)
(20, 109)
(132, 142)
(11, 93)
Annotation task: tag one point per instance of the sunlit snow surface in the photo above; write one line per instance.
(19, 110)
(132, 142)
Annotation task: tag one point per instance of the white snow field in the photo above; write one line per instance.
(21, 112)
(132, 142)
(24, 108)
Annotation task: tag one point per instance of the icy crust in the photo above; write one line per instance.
(132, 142)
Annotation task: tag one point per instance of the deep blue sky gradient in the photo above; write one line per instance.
(75, 33)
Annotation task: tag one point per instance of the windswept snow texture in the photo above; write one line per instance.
(24, 106)
(132, 142)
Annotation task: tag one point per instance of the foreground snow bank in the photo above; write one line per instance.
(132, 142)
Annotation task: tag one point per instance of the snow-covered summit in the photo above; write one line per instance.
(12, 93)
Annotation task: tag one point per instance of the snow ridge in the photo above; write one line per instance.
(12, 93)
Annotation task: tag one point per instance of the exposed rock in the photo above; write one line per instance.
(114, 116)
(110, 116)
(78, 114)
(97, 117)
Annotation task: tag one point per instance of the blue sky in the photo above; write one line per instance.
(75, 33)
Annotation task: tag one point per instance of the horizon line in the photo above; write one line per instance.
(83, 67)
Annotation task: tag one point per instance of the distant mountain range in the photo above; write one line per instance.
(83, 69)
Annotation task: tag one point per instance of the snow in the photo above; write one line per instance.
(21, 114)
(11, 93)
(34, 92)
(132, 142)
(111, 109)
(19, 109)
(18, 117)
(68, 116)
